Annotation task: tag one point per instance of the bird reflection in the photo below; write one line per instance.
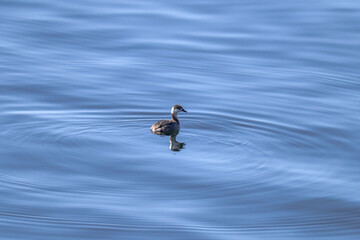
(174, 144)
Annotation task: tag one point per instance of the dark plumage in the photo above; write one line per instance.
(168, 127)
(165, 126)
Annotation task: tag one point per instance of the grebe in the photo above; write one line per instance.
(168, 127)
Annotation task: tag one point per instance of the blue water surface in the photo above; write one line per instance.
(272, 138)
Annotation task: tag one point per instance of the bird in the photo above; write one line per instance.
(168, 127)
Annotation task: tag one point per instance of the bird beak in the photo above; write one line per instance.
(184, 110)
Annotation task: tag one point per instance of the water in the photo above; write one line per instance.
(272, 129)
